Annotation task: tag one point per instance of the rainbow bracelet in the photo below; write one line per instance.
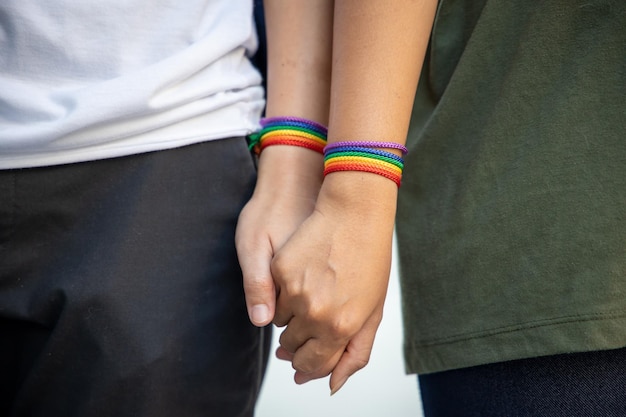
(365, 157)
(293, 131)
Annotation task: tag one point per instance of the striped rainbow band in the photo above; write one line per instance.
(293, 131)
(365, 157)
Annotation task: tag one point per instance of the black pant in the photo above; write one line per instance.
(120, 291)
(591, 384)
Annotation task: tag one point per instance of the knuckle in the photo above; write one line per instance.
(344, 326)
(361, 362)
(315, 310)
(281, 270)
(258, 283)
(310, 359)
(280, 263)
(280, 320)
(304, 366)
(294, 288)
(283, 340)
(300, 367)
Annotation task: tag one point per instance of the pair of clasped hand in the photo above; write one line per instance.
(316, 259)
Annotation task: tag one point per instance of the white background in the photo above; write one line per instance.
(380, 389)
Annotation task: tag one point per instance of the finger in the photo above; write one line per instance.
(258, 284)
(283, 354)
(296, 334)
(283, 311)
(314, 354)
(316, 345)
(356, 355)
(324, 366)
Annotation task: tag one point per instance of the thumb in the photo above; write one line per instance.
(356, 355)
(258, 284)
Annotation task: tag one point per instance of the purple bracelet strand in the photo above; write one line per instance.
(368, 144)
(269, 120)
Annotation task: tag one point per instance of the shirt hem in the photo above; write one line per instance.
(552, 337)
(91, 154)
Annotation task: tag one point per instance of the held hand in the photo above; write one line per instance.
(332, 278)
(288, 183)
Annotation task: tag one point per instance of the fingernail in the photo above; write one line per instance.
(260, 313)
(337, 387)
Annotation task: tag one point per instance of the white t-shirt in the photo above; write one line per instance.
(82, 80)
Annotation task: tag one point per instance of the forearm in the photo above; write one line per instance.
(378, 50)
(332, 273)
(299, 36)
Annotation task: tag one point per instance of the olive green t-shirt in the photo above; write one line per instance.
(512, 212)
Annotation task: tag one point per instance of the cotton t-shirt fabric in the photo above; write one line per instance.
(86, 80)
(512, 213)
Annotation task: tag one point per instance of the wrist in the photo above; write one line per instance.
(363, 195)
(289, 171)
(365, 156)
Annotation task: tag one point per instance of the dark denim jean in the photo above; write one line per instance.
(590, 384)
(120, 290)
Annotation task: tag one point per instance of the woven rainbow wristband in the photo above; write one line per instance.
(293, 131)
(365, 157)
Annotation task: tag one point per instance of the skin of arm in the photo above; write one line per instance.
(333, 272)
(299, 34)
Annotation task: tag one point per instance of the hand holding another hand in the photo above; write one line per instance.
(332, 277)
(288, 183)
